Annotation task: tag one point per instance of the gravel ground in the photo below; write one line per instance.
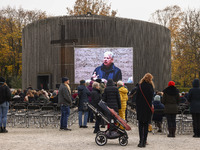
(84, 139)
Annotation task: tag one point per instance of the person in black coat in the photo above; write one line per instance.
(96, 97)
(171, 101)
(5, 97)
(144, 112)
(194, 100)
(111, 96)
(83, 94)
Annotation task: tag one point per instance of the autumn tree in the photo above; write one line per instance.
(185, 42)
(97, 7)
(171, 17)
(12, 22)
(189, 45)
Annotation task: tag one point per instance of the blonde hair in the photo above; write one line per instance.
(147, 78)
(14, 92)
(95, 84)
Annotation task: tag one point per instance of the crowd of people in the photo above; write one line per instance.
(115, 94)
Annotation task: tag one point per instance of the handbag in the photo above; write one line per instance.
(85, 106)
(152, 108)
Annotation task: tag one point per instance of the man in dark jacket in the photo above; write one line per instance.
(65, 101)
(107, 70)
(83, 94)
(111, 96)
(5, 97)
(194, 99)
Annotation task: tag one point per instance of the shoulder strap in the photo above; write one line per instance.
(145, 97)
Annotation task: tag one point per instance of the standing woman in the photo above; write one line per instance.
(194, 99)
(144, 97)
(171, 100)
(96, 97)
(83, 94)
(5, 96)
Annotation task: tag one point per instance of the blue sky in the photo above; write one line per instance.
(134, 9)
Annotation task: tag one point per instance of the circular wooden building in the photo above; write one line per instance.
(50, 49)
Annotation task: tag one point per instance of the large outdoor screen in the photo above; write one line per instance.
(94, 62)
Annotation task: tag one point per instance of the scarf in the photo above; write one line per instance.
(68, 88)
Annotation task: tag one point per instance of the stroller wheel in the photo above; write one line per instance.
(101, 139)
(123, 140)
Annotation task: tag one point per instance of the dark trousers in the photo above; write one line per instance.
(171, 120)
(65, 112)
(143, 131)
(97, 123)
(196, 123)
(90, 115)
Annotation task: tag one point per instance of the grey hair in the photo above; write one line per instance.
(120, 83)
(95, 84)
(109, 53)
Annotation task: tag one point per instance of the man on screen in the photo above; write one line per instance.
(107, 70)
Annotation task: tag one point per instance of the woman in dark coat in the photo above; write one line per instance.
(144, 112)
(83, 94)
(5, 97)
(171, 100)
(194, 99)
(96, 97)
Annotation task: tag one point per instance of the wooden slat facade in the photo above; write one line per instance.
(150, 42)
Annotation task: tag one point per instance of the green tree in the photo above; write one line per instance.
(97, 7)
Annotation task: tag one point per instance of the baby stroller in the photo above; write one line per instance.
(111, 118)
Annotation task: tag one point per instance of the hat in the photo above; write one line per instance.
(82, 81)
(110, 82)
(2, 80)
(171, 83)
(64, 79)
(157, 98)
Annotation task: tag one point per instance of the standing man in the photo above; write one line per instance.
(65, 101)
(5, 97)
(107, 70)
